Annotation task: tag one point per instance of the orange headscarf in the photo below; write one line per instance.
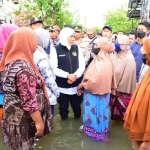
(137, 117)
(99, 77)
(21, 44)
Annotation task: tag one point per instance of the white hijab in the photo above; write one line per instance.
(40, 53)
(43, 37)
(64, 34)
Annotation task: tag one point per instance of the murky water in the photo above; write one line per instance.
(67, 136)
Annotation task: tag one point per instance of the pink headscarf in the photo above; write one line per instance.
(5, 31)
(124, 66)
(99, 77)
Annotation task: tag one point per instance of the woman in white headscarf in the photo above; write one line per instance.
(45, 67)
(69, 66)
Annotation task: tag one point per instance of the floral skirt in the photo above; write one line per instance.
(119, 105)
(96, 115)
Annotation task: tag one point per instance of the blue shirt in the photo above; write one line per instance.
(135, 48)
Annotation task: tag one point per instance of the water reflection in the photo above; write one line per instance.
(67, 136)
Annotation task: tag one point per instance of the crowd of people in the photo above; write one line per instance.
(103, 75)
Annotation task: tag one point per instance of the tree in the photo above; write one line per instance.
(119, 21)
(51, 11)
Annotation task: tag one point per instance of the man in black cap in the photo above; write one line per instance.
(36, 23)
(82, 45)
(78, 34)
(107, 31)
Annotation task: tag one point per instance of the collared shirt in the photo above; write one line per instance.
(82, 45)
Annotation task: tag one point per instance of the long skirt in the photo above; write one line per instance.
(96, 115)
(119, 105)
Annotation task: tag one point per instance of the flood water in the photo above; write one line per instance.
(66, 135)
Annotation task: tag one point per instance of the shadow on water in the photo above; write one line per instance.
(67, 136)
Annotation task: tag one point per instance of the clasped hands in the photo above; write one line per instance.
(71, 78)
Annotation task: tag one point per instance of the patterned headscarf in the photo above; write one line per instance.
(21, 44)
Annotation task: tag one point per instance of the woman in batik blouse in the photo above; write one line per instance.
(27, 112)
(45, 67)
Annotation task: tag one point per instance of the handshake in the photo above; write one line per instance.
(71, 78)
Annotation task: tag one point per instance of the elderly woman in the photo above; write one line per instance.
(68, 63)
(137, 117)
(5, 31)
(125, 70)
(45, 67)
(26, 107)
(98, 81)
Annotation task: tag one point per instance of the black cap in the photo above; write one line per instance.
(35, 20)
(99, 33)
(77, 28)
(49, 28)
(108, 27)
(69, 26)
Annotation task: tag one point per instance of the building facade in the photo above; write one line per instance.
(6, 10)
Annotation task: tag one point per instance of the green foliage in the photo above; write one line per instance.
(119, 21)
(53, 12)
(98, 29)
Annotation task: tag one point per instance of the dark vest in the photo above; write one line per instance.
(67, 61)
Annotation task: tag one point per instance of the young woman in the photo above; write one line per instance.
(137, 117)
(125, 71)
(98, 81)
(45, 67)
